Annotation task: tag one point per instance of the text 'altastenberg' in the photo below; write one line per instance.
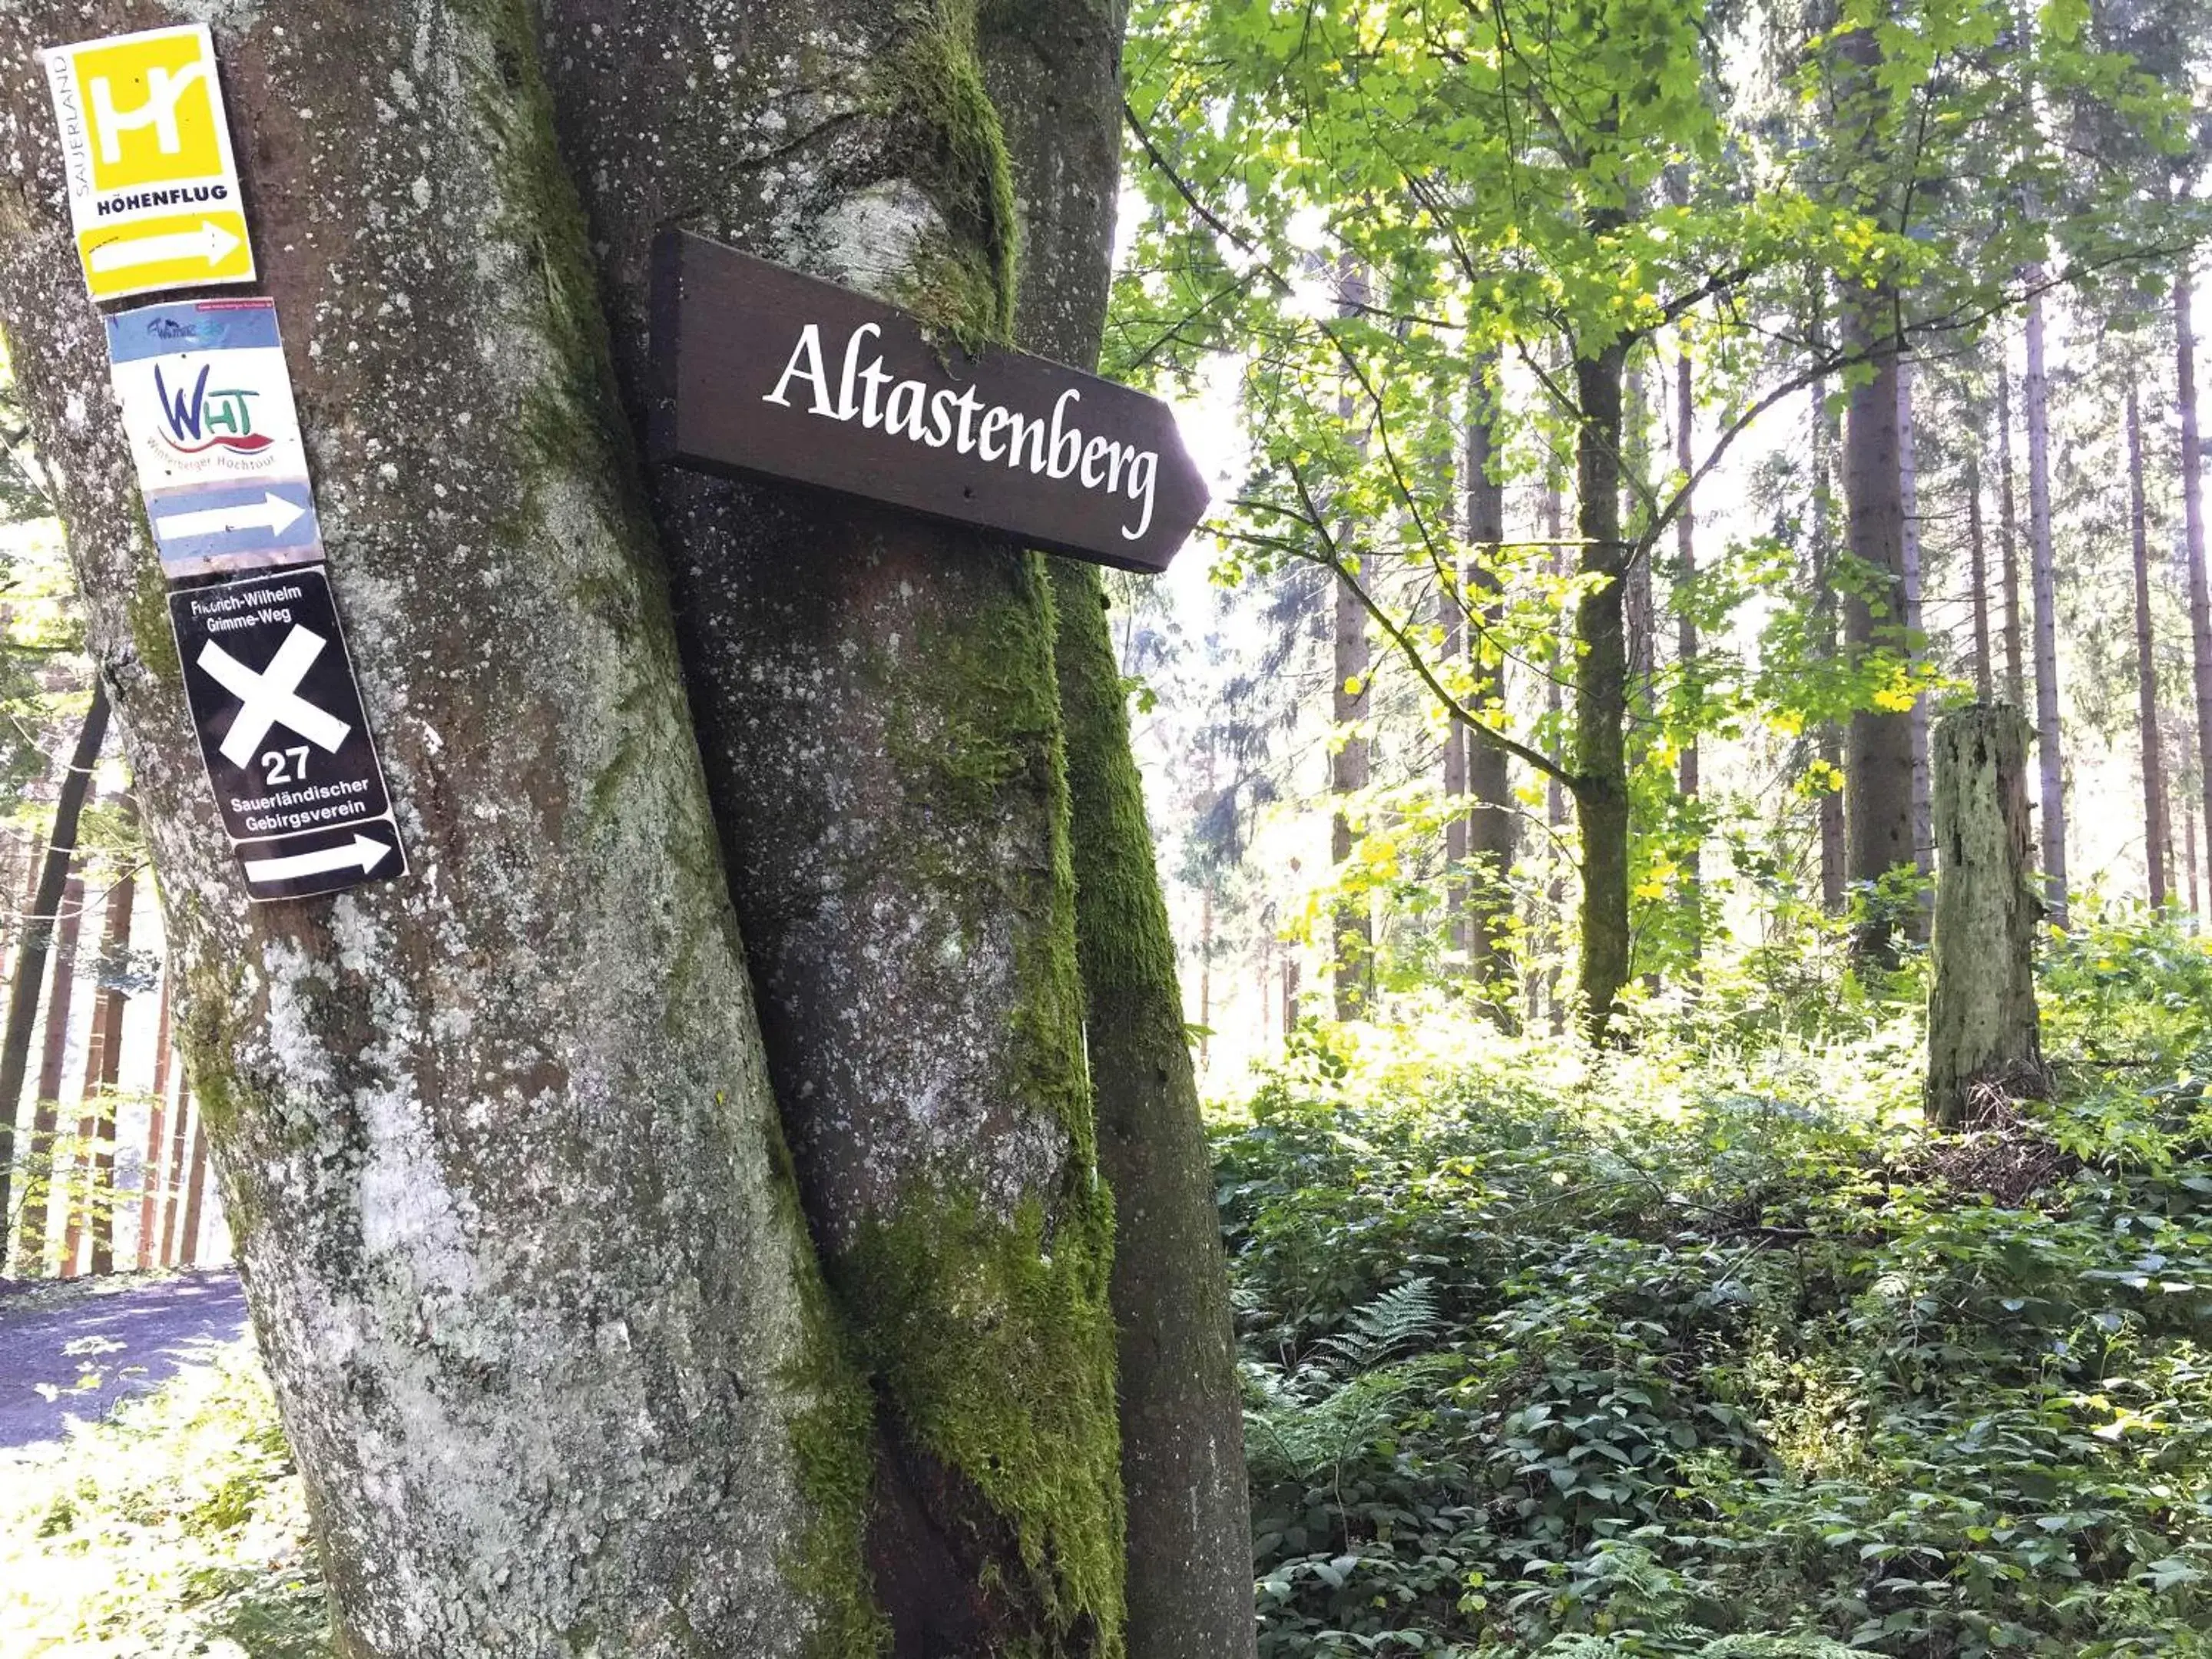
(991, 432)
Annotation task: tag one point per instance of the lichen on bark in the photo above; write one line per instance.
(496, 1138)
(876, 700)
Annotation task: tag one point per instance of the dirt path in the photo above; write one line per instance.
(75, 1350)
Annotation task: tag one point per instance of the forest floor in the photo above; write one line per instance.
(75, 1348)
(1703, 1348)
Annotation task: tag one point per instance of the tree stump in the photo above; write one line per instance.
(1984, 1046)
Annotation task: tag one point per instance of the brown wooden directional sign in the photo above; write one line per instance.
(762, 370)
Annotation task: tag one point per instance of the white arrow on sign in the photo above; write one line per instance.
(271, 513)
(363, 851)
(210, 242)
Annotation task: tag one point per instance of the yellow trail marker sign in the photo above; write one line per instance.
(152, 184)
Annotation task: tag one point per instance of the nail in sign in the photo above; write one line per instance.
(762, 370)
(153, 185)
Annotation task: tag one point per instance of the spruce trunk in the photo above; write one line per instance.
(877, 701)
(1908, 489)
(2036, 395)
(1978, 576)
(45, 1160)
(495, 1141)
(39, 935)
(2192, 506)
(1983, 1043)
(2008, 541)
(2147, 726)
(1878, 756)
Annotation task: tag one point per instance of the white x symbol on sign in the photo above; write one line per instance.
(271, 696)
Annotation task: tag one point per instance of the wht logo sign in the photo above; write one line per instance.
(164, 89)
(271, 696)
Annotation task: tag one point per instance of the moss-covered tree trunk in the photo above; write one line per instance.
(1054, 73)
(877, 701)
(495, 1140)
(1182, 1455)
(1984, 1045)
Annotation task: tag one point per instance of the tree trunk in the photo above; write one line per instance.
(1555, 793)
(1601, 787)
(194, 1189)
(1493, 841)
(2192, 508)
(1352, 938)
(1828, 737)
(2188, 850)
(182, 1156)
(1189, 1527)
(1878, 757)
(39, 934)
(105, 1074)
(2147, 723)
(1984, 1043)
(876, 698)
(1686, 647)
(1456, 934)
(495, 1140)
(1908, 487)
(1182, 1434)
(2035, 393)
(103, 1070)
(1977, 574)
(2009, 540)
(46, 1116)
(157, 1125)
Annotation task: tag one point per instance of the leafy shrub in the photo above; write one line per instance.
(177, 1527)
(1712, 1349)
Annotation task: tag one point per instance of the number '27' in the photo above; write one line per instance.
(273, 763)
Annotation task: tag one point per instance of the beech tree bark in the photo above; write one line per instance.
(495, 1140)
(2147, 726)
(876, 701)
(1984, 1046)
(1189, 1525)
(1183, 1425)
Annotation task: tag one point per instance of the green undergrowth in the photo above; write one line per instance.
(1706, 1350)
(178, 1527)
(1711, 1350)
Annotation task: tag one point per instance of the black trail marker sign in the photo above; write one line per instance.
(283, 734)
(762, 370)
